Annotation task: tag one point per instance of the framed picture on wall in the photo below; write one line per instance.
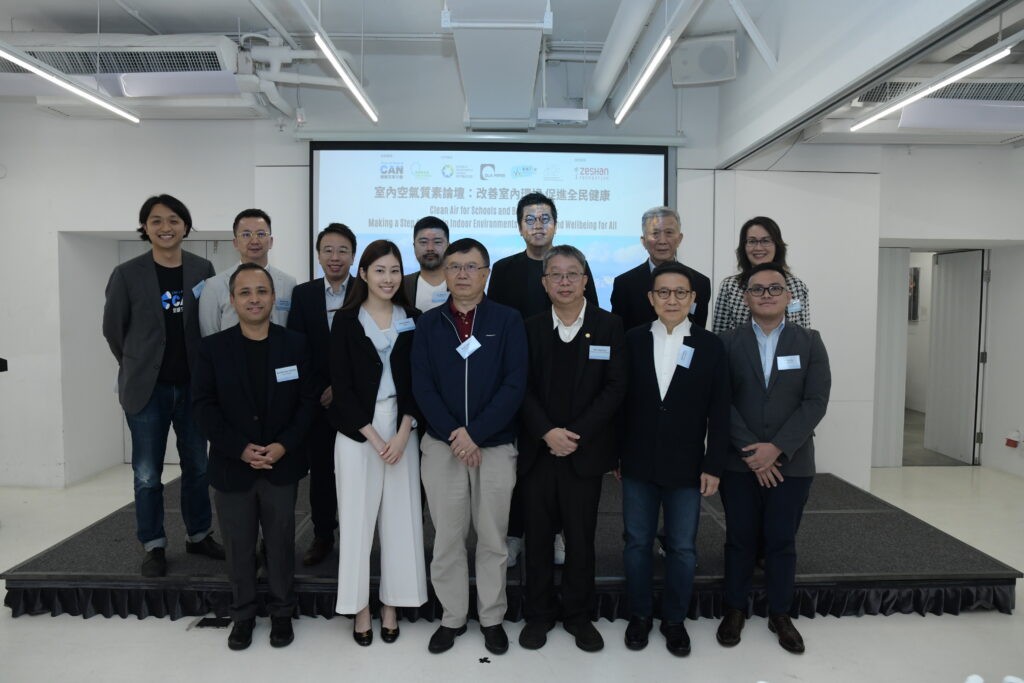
(914, 295)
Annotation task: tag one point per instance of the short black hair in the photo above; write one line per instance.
(465, 245)
(337, 229)
(430, 223)
(249, 266)
(672, 267)
(171, 203)
(250, 213)
(535, 198)
(773, 266)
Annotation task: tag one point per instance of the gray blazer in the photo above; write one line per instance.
(785, 412)
(133, 323)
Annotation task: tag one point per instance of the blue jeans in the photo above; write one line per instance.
(641, 501)
(168, 405)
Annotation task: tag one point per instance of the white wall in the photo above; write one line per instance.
(890, 368)
(918, 335)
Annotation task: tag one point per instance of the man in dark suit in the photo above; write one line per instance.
(577, 379)
(151, 325)
(427, 288)
(674, 444)
(780, 387)
(313, 306)
(255, 400)
(661, 237)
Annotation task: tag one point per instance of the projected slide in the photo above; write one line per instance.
(600, 196)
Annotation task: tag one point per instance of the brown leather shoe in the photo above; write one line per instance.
(732, 625)
(789, 637)
(319, 549)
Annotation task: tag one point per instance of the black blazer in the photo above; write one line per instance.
(508, 286)
(664, 440)
(630, 302)
(224, 409)
(356, 370)
(597, 395)
(308, 315)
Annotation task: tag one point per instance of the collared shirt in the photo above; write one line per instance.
(731, 310)
(766, 344)
(568, 332)
(334, 301)
(666, 351)
(463, 321)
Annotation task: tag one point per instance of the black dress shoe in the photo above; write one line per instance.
(318, 551)
(732, 625)
(587, 637)
(241, 634)
(789, 637)
(636, 632)
(155, 564)
(677, 640)
(362, 638)
(535, 634)
(389, 635)
(207, 546)
(495, 639)
(281, 633)
(444, 638)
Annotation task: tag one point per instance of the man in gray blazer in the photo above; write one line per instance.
(150, 323)
(780, 386)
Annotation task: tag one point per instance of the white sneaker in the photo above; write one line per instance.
(515, 546)
(559, 549)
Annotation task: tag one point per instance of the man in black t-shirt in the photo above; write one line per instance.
(151, 326)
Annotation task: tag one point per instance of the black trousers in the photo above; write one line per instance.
(241, 514)
(323, 489)
(555, 499)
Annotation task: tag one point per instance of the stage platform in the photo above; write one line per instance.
(857, 555)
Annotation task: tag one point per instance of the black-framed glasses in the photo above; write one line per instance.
(544, 218)
(664, 293)
(572, 276)
(468, 268)
(763, 242)
(773, 290)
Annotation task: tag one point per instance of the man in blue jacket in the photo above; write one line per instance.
(469, 378)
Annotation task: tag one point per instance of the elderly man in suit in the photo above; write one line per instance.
(151, 326)
(255, 400)
(576, 384)
(780, 387)
(661, 236)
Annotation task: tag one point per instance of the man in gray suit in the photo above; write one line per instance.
(150, 323)
(780, 387)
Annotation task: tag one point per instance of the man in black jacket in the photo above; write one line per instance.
(576, 383)
(255, 399)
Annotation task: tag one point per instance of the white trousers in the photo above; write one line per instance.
(372, 494)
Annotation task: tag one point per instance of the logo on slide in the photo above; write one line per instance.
(487, 171)
(392, 170)
(523, 171)
(447, 170)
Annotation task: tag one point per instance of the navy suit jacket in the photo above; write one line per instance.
(308, 315)
(630, 302)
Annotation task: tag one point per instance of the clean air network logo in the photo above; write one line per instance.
(392, 170)
(171, 301)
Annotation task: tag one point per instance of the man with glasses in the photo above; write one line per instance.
(468, 377)
(780, 387)
(675, 441)
(253, 240)
(577, 380)
(427, 288)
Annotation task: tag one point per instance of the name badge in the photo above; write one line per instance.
(600, 352)
(789, 362)
(685, 356)
(468, 347)
(794, 306)
(283, 304)
(404, 325)
(693, 308)
(287, 374)
(439, 297)
(198, 289)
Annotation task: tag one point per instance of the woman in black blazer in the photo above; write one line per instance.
(376, 453)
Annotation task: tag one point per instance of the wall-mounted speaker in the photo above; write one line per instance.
(704, 60)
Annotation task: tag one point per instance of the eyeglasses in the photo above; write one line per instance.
(469, 268)
(763, 242)
(262, 234)
(665, 292)
(758, 290)
(571, 276)
(331, 251)
(544, 218)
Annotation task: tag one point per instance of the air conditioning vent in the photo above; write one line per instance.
(1001, 91)
(84, 63)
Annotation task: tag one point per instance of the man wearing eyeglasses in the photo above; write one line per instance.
(468, 377)
(427, 289)
(253, 240)
(780, 387)
(675, 440)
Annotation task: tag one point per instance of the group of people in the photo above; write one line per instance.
(506, 409)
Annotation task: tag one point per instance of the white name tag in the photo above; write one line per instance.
(439, 297)
(287, 374)
(794, 306)
(404, 325)
(789, 362)
(468, 347)
(693, 308)
(198, 289)
(283, 304)
(685, 356)
(600, 352)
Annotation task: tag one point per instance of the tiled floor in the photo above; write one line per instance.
(982, 507)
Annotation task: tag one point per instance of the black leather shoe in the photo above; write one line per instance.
(535, 634)
(677, 640)
(155, 564)
(495, 639)
(389, 635)
(789, 637)
(241, 634)
(636, 632)
(318, 551)
(729, 630)
(587, 637)
(281, 633)
(207, 546)
(362, 638)
(444, 638)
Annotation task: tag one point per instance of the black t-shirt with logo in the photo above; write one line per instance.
(174, 367)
